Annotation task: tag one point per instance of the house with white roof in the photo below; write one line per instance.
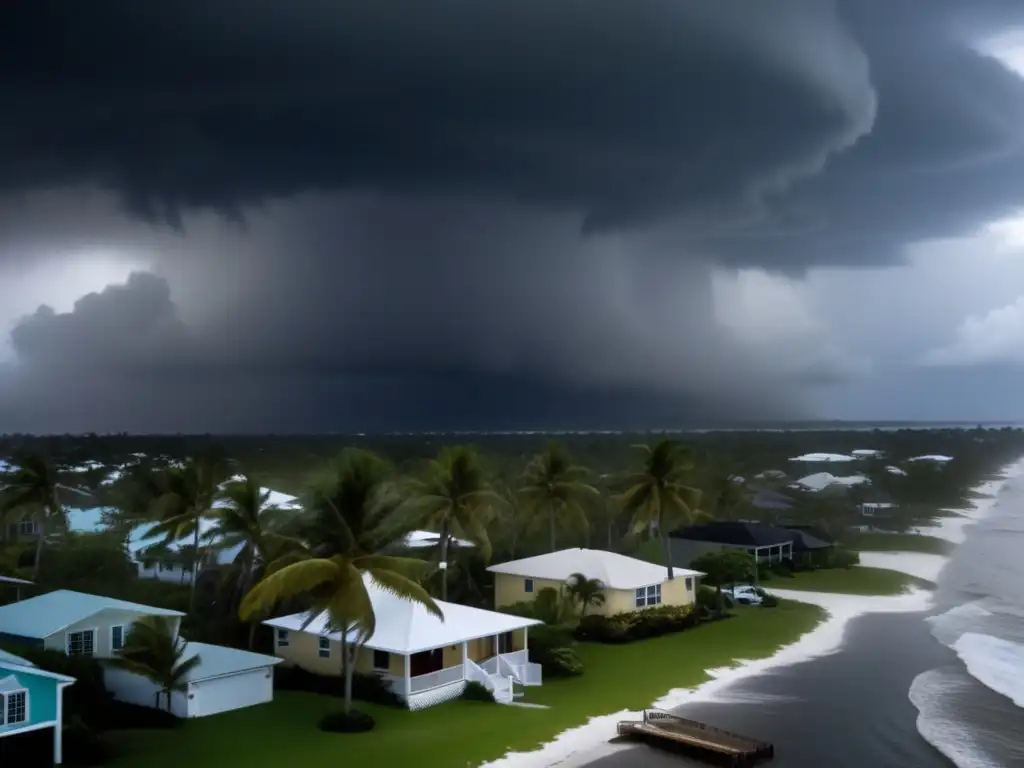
(423, 659)
(80, 624)
(31, 706)
(936, 458)
(822, 480)
(824, 458)
(629, 584)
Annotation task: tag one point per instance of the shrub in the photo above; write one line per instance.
(84, 747)
(524, 609)
(637, 625)
(561, 662)
(352, 722)
(783, 568)
(123, 716)
(769, 601)
(368, 688)
(475, 691)
(844, 558)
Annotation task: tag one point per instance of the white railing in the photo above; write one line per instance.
(436, 679)
(534, 674)
(516, 657)
(507, 669)
(490, 666)
(476, 673)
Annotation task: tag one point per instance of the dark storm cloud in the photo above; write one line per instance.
(674, 134)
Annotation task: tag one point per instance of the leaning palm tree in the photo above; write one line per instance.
(154, 650)
(182, 503)
(554, 488)
(584, 592)
(657, 497)
(455, 497)
(351, 520)
(31, 490)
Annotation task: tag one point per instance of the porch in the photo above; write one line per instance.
(494, 662)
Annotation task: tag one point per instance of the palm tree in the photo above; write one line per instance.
(243, 516)
(182, 501)
(554, 487)
(351, 520)
(454, 497)
(154, 650)
(585, 592)
(657, 497)
(33, 485)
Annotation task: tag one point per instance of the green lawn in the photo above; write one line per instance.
(462, 734)
(900, 542)
(859, 580)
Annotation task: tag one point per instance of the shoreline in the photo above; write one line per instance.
(580, 746)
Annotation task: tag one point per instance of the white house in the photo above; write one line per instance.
(423, 659)
(81, 624)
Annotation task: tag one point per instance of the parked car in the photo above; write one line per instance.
(745, 594)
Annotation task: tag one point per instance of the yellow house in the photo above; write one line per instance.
(629, 584)
(423, 659)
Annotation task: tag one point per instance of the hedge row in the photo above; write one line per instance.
(636, 625)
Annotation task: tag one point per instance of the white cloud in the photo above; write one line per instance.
(995, 337)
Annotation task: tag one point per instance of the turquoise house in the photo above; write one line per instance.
(31, 702)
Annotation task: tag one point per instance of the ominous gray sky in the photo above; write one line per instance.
(300, 215)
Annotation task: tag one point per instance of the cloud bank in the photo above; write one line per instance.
(356, 214)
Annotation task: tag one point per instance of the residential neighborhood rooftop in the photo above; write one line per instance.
(610, 568)
(736, 533)
(406, 627)
(219, 660)
(41, 616)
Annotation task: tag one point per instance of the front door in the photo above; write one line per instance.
(426, 662)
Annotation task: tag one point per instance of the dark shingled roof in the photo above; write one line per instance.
(738, 534)
(766, 499)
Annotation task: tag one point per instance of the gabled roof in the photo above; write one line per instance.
(220, 660)
(39, 617)
(613, 570)
(804, 541)
(11, 663)
(768, 499)
(406, 627)
(737, 534)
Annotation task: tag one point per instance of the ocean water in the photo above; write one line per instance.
(972, 709)
(908, 690)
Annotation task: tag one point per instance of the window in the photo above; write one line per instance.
(116, 638)
(282, 638)
(147, 565)
(14, 707)
(528, 586)
(325, 647)
(27, 527)
(648, 596)
(381, 660)
(165, 566)
(689, 583)
(81, 643)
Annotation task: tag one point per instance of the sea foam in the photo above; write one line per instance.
(996, 663)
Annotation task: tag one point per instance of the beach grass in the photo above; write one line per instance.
(467, 733)
(899, 542)
(859, 580)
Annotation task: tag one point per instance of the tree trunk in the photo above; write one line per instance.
(346, 674)
(195, 569)
(446, 535)
(40, 539)
(553, 529)
(667, 550)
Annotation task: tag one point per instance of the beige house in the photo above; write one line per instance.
(423, 659)
(629, 584)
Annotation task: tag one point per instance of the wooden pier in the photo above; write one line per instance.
(712, 745)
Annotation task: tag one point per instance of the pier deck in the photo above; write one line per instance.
(697, 739)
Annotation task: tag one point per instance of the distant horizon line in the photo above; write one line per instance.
(806, 425)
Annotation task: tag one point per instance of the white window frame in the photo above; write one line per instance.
(528, 586)
(647, 597)
(83, 632)
(324, 647)
(4, 698)
(124, 635)
(282, 637)
(27, 527)
(377, 668)
(689, 583)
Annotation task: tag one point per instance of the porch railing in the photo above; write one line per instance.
(490, 666)
(516, 657)
(436, 679)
